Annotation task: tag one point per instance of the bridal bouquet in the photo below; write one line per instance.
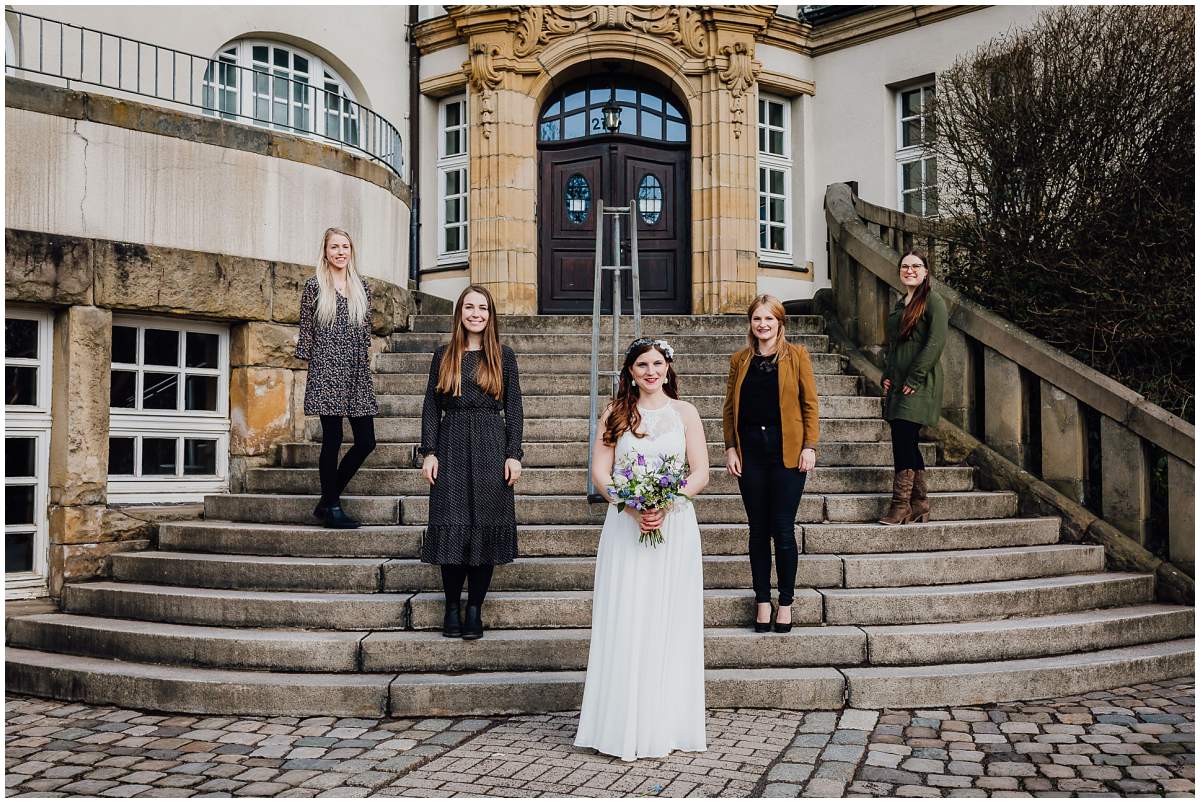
(636, 484)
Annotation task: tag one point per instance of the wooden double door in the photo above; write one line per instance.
(572, 179)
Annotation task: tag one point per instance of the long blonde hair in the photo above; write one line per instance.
(490, 372)
(356, 297)
(775, 307)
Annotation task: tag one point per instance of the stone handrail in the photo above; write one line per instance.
(1019, 371)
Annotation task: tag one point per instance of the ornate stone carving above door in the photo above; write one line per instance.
(679, 25)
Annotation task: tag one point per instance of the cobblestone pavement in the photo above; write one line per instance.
(1128, 741)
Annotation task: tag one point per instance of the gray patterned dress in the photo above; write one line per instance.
(339, 361)
(472, 518)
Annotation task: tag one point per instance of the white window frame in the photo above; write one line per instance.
(449, 163)
(177, 424)
(911, 154)
(240, 53)
(781, 163)
(33, 421)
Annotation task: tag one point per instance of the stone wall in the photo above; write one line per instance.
(86, 281)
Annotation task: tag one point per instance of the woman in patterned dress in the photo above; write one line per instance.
(472, 458)
(335, 339)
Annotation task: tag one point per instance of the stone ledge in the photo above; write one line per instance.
(1101, 393)
(995, 472)
(149, 118)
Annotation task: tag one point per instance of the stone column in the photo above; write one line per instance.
(1124, 480)
(1003, 417)
(78, 471)
(845, 290)
(872, 314)
(1181, 506)
(725, 178)
(958, 399)
(1064, 443)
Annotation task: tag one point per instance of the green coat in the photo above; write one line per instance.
(914, 362)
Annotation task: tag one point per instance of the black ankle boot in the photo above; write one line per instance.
(472, 627)
(336, 519)
(320, 510)
(451, 624)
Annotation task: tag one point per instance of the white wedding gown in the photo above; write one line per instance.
(644, 693)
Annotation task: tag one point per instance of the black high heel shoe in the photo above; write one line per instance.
(451, 624)
(781, 627)
(763, 627)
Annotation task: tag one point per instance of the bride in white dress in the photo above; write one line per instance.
(644, 693)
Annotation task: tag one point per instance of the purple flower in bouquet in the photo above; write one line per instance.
(636, 485)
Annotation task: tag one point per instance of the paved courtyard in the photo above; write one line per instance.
(1127, 741)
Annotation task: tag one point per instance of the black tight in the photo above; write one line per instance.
(906, 453)
(454, 576)
(771, 494)
(335, 478)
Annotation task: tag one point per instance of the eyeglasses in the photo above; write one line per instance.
(911, 268)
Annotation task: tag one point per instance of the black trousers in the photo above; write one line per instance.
(454, 576)
(771, 494)
(905, 452)
(334, 477)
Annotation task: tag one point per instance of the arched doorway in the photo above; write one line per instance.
(579, 162)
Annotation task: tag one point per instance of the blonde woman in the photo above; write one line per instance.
(771, 431)
(335, 335)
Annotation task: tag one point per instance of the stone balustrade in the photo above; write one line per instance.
(1092, 440)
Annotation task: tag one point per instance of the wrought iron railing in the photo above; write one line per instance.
(218, 87)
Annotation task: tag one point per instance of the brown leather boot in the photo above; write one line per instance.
(901, 511)
(920, 497)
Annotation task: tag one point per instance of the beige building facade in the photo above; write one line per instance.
(170, 170)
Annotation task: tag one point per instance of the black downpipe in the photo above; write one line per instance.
(414, 150)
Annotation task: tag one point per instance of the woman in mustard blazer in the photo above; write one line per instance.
(771, 433)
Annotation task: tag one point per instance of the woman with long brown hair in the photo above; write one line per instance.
(912, 385)
(771, 431)
(335, 339)
(471, 426)
(644, 691)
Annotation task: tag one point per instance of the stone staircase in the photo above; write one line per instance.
(255, 610)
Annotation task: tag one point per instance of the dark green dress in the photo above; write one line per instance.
(914, 362)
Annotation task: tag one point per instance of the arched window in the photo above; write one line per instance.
(646, 110)
(279, 85)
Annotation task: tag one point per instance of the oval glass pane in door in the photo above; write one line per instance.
(650, 199)
(577, 197)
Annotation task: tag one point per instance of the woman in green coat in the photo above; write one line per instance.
(912, 385)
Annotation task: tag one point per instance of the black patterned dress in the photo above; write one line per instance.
(472, 517)
(339, 360)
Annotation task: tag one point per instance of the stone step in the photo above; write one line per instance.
(1029, 637)
(567, 649)
(987, 600)
(223, 692)
(652, 325)
(555, 430)
(270, 508)
(837, 399)
(581, 343)
(155, 687)
(400, 651)
(496, 693)
(573, 481)
(559, 455)
(190, 645)
(1031, 678)
(832, 383)
(686, 366)
(369, 575)
(397, 541)
(381, 611)
(950, 567)
(929, 536)
(511, 610)
(727, 508)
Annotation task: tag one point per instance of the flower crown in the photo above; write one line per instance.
(661, 345)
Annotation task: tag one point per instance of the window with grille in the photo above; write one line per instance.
(453, 216)
(917, 169)
(774, 180)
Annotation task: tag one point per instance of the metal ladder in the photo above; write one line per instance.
(604, 215)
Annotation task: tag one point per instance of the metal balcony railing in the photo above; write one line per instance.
(56, 51)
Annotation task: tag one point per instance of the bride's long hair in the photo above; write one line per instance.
(623, 413)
